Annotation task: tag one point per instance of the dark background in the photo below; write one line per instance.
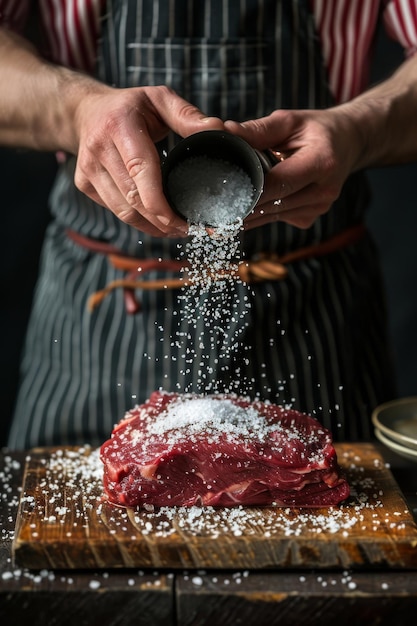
(25, 180)
(392, 219)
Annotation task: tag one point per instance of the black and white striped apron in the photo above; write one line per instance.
(316, 340)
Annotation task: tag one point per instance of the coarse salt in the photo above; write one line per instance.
(210, 190)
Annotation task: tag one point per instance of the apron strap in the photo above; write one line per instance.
(263, 267)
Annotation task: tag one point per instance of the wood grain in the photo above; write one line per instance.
(290, 598)
(58, 526)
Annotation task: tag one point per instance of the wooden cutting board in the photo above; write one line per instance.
(63, 522)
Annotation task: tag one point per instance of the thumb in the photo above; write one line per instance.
(198, 122)
(264, 132)
(177, 114)
(186, 119)
(252, 131)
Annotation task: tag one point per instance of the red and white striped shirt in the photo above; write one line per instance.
(72, 27)
(346, 29)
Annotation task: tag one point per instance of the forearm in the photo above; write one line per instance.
(385, 119)
(38, 100)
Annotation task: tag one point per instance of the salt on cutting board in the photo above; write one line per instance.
(64, 523)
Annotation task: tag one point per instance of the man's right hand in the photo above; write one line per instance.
(118, 165)
(111, 131)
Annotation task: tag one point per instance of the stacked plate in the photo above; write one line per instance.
(396, 426)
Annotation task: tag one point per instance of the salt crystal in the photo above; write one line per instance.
(208, 190)
(94, 584)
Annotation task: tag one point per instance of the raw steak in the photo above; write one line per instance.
(184, 450)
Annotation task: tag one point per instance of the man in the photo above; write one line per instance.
(317, 339)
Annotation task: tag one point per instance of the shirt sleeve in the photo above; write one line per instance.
(14, 14)
(400, 20)
(70, 27)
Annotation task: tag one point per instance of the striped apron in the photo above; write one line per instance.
(315, 341)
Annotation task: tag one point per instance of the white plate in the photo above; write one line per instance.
(398, 421)
(408, 453)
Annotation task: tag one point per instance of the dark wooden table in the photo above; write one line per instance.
(124, 597)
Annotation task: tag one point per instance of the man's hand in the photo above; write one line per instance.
(118, 165)
(111, 131)
(319, 150)
(379, 127)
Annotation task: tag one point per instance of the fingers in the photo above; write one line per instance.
(306, 165)
(102, 189)
(299, 209)
(111, 198)
(137, 171)
(178, 114)
(286, 197)
(301, 217)
(305, 184)
(298, 190)
(118, 164)
(306, 170)
(111, 173)
(278, 127)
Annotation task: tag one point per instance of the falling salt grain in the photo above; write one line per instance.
(94, 584)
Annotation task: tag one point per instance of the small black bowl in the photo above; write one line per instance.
(218, 145)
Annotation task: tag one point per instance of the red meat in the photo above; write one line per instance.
(184, 450)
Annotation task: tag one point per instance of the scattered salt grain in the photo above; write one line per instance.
(94, 584)
(82, 473)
